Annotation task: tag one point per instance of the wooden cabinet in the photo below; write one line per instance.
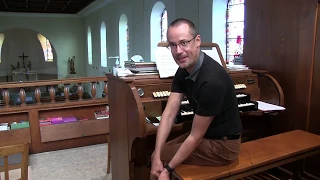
(15, 136)
(78, 129)
(57, 136)
(283, 37)
(74, 130)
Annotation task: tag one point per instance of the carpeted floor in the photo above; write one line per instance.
(84, 163)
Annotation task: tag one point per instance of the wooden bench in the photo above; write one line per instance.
(257, 156)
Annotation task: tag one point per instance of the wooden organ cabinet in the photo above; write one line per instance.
(132, 99)
(283, 38)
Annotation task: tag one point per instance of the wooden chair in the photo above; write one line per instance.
(5, 151)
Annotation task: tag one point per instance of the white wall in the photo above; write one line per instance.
(219, 24)
(138, 13)
(64, 32)
(21, 40)
(68, 34)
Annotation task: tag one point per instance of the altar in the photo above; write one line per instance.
(21, 75)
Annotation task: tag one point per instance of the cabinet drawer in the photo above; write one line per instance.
(15, 136)
(74, 130)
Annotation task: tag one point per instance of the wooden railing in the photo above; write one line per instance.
(55, 98)
(51, 86)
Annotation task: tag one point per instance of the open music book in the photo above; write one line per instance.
(263, 106)
(166, 65)
(213, 53)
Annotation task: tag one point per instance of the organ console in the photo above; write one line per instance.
(132, 99)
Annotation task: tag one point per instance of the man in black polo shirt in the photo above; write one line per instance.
(214, 139)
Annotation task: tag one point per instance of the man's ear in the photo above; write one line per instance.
(198, 39)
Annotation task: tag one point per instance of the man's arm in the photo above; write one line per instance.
(167, 118)
(199, 127)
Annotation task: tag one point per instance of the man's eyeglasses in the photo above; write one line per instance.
(182, 44)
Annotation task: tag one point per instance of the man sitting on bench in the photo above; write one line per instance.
(215, 137)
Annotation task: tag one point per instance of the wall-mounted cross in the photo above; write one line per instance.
(23, 56)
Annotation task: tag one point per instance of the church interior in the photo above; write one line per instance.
(59, 91)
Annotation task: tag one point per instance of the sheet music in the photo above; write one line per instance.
(166, 65)
(263, 106)
(213, 54)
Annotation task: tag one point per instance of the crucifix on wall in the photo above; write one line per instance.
(22, 57)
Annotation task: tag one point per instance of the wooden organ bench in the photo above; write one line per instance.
(257, 156)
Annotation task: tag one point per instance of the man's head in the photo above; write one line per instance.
(184, 42)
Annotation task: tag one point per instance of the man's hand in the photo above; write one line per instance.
(156, 167)
(164, 175)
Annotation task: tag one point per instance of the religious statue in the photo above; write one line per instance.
(71, 62)
(18, 65)
(12, 67)
(29, 65)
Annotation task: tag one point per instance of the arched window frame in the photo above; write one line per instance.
(123, 39)
(46, 47)
(89, 46)
(128, 38)
(103, 45)
(234, 29)
(155, 28)
(164, 25)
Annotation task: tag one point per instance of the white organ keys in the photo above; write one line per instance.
(246, 104)
(184, 102)
(241, 95)
(160, 94)
(185, 112)
(240, 86)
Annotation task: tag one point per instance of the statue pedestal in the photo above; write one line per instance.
(72, 76)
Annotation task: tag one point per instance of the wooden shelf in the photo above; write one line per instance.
(72, 130)
(150, 99)
(15, 136)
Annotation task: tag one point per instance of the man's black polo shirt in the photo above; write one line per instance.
(210, 91)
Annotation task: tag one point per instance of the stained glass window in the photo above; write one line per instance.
(234, 29)
(127, 30)
(164, 25)
(46, 47)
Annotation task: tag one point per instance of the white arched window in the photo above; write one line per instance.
(158, 27)
(123, 39)
(103, 45)
(1, 42)
(46, 47)
(164, 25)
(89, 41)
(234, 29)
